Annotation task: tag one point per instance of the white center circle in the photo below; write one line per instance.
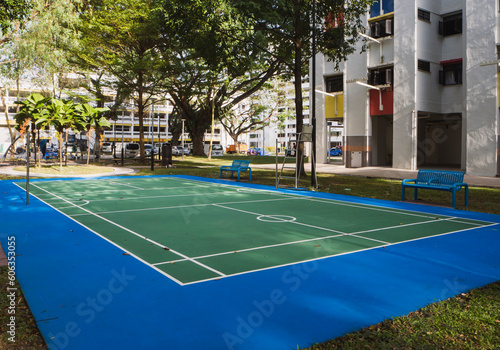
(276, 218)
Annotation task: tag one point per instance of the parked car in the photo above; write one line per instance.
(217, 150)
(290, 152)
(335, 151)
(107, 148)
(257, 151)
(178, 150)
(148, 148)
(132, 150)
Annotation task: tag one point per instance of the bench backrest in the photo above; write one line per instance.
(240, 163)
(444, 177)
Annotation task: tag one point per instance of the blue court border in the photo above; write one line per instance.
(85, 294)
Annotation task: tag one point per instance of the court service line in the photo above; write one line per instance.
(376, 208)
(121, 190)
(307, 225)
(399, 226)
(125, 184)
(183, 206)
(166, 196)
(318, 239)
(140, 236)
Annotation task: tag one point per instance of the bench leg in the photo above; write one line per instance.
(238, 175)
(415, 194)
(454, 199)
(466, 196)
(403, 193)
(250, 174)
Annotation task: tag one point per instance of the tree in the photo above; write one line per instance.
(263, 108)
(127, 41)
(211, 73)
(60, 114)
(289, 26)
(32, 110)
(92, 119)
(13, 16)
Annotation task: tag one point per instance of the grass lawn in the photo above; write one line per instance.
(468, 321)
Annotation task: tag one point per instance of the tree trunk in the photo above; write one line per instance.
(236, 144)
(198, 145)
(59, 139)
(197, 124)
(89, 133)
(140, 114)
(11, 131)
(298, 84)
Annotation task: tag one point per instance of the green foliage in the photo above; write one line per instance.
(31, 109)
(13, 11)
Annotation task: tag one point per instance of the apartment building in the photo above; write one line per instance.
(425, 92)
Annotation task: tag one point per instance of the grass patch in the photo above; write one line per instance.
(27, 335)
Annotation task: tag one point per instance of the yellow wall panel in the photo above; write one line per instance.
(334, 106)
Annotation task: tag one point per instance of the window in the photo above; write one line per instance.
(451, 73)
(424, 66)
(380, 76)
(424, 15)
(381, 7)
(451, 24)
(334, 83)
(382, 28)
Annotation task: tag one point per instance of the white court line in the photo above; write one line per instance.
(152, 197)
(108, 240)
(185, 206)
(125, 184)
(354, 234)
(337, 202)
(121, 190)
(169, 196)
(140, 236)
(307, 225)
(356, 205)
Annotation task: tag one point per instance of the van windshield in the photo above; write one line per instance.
(217, 147)
(133, 146)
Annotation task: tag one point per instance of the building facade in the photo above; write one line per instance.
(424, 94)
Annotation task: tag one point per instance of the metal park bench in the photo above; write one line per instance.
(237, 166)
(451, 181)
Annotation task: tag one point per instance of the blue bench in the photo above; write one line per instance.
(442, 180)
(237, 166)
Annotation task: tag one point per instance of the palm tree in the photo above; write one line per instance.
(31, 110)
(60, 114)
(93, 119)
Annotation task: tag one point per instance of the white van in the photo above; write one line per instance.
(132, 150)
(217, 150)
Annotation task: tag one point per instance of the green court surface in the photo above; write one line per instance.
(193, 231)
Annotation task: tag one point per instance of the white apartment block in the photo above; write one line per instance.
(425, 92)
